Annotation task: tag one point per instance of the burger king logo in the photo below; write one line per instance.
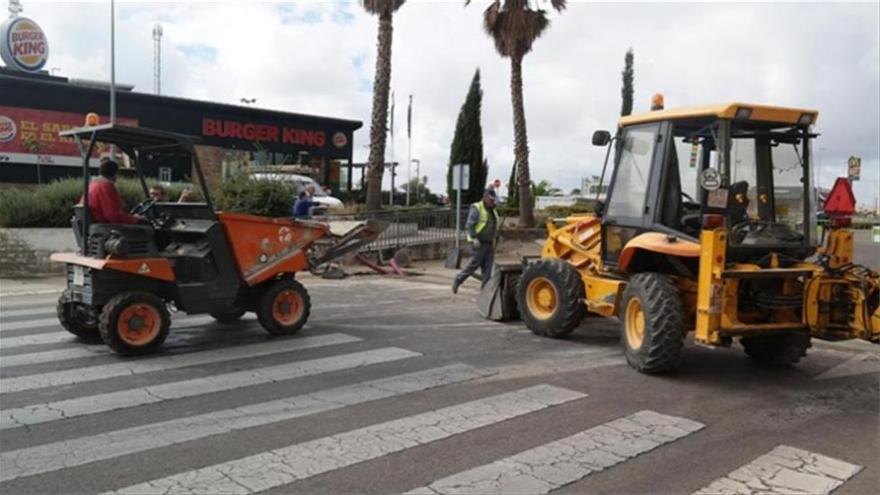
(7, 129)
(24, 46)
(340, 140)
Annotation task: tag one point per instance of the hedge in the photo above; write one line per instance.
(268, 198)
(51, 205)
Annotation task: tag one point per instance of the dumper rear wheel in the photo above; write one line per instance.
(284, 307)
(78, 318)
(778, 350)
(550, 297)
(652, 323)
(134, 323)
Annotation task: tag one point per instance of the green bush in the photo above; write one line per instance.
(51, 205)
(257, 197)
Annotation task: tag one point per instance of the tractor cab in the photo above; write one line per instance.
(744, 167)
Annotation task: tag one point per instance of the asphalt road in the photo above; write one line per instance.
(397, 386)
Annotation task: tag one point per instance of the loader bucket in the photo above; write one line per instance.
(497, 301)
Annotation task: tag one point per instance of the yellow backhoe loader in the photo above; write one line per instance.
(710, 226)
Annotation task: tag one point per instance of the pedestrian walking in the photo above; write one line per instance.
(482, 229)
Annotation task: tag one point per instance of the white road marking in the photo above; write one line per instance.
(8, 302)
(162, 363)
(23, 325)
(785, 470)
(60, 455)
(47, 311)
(860, 364)
(54, 356)
(548, 467)
(42, 310)
(111, 401)
(62, 336)
(279, 467)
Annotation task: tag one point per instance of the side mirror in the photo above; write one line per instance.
(601, 138)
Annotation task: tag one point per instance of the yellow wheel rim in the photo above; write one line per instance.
(635, 323)
(541, 298)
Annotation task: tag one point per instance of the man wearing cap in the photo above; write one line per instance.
(482, 229)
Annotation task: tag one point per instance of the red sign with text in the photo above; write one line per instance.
(27, 132)
(232, 129)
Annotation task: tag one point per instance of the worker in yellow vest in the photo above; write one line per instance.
(482, 229)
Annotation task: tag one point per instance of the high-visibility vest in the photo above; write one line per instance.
(483, 219)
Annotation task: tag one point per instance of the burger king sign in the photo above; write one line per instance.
(23, 44)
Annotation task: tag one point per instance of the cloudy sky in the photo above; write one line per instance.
(318, 57)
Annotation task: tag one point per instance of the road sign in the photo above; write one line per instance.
(461, 176)
(855, 168)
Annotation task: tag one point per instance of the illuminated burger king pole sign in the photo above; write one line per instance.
(23, 44)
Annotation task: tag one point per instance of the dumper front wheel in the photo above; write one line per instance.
(284, 307)
(134, 323)
(78, 318)
(652, 323)
(550, 297)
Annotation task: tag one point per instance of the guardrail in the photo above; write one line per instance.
(409, 228)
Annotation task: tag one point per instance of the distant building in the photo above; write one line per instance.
(35, 106)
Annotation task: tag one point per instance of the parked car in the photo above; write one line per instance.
(302, 182)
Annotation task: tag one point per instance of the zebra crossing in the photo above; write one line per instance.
(54, 391)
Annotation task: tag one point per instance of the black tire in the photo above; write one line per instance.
(287, 316)
(228, 316)
(550, 297)
(121, 330)
(656, 298)
(777, 350)
(77, 318)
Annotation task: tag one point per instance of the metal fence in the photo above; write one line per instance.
(409, 228)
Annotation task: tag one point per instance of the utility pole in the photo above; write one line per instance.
(112, 72)
(112, 62)
(157, 59)
(409, 149)
(418, 178)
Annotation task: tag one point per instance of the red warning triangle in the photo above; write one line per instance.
(841, 201)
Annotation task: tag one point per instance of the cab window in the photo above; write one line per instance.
(628, 193)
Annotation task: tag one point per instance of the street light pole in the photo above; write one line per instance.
(418, 177)
(112, 62)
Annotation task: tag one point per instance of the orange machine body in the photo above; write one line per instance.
(264, 247)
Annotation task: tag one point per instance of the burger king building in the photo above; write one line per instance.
(35, 106)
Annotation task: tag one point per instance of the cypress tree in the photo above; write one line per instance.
(467, 145)
(627, 90)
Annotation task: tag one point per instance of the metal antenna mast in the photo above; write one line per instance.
(157, 59)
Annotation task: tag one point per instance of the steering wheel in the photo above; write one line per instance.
(144, 207)
(688, 197)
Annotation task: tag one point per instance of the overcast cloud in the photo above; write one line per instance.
(318, 57)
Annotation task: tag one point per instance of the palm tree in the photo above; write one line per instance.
(381, 85)
(514, 25)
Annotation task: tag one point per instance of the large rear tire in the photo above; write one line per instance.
(777, 350)
(284, 307)
(78, 318)
(550, 298)
(134, 323)
(652, 323)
